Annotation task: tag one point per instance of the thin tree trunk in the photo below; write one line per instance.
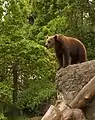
(15, 81)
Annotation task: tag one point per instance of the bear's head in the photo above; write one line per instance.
(50, 42)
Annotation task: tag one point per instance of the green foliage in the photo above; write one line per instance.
(2, 117)
(40, 78)
(36, 94)
(5, 93)
(55, 26)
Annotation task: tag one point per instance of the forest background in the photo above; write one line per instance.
(27, 68)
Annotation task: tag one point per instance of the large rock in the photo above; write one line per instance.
(72, 79)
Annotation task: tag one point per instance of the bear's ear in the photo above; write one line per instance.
(46, 36)
(55, 36)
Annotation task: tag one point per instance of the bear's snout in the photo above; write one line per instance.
(46, 45)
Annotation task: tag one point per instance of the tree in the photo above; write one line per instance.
(22, 59)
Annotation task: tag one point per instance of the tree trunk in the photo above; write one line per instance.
(62, 112)
(86, 94)
(15, 81)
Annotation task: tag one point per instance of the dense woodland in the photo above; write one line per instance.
(27, 68)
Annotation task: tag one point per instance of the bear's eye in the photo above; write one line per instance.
(49, 42)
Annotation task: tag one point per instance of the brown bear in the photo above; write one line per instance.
(67, 46)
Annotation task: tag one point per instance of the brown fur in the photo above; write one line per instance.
(69, 47)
